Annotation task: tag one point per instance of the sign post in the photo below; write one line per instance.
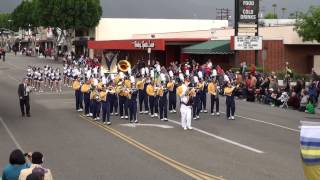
(247, 20)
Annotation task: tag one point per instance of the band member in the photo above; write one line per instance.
(85, 89)
(172, 96)
(77, 91)
(95, 99)
(104, 96)
(133, 94)
(113, 98)
(186, 102)
(142, 94)
(214, 96)
(231, 107)
(123, 101)
(152, 97)
(23, 92)
(203, 95)
(196, 99)
(163, 103)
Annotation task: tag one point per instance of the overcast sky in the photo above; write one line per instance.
(194, 9)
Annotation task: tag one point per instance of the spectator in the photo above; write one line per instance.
(310, 107)
(34, 176)
(303, 101)
(37, 161)
(294, 101)
(17, 163)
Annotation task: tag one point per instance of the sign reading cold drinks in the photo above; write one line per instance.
(248, 11)
(248, 43)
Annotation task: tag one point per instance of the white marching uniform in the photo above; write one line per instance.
(185, 109)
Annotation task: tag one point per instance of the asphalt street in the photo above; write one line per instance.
(261, 144)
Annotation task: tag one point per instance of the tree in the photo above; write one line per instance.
(274, 9)
(308, 24)
(5, 20)
(66, 16)
(271, 16)
(283, 10)
(23, 16)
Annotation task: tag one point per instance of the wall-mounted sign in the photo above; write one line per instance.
(144, 44)
(248, 43)
(248, 11)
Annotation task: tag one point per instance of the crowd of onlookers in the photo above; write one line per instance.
(26, 166)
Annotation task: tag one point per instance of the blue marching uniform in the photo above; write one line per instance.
(173, 99)
(143, 98)
(230, 103)
(203, 98)
(106, 109)
(163, 104)
(133, 106)
(196, 106)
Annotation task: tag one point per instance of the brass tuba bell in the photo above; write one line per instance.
(124, 65)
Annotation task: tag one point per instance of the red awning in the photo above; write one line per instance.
(138, 44)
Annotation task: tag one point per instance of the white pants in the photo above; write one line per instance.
(185, 116)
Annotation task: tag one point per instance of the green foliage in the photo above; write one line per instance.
(296, 76)
(308, 24)
(23, 16)
(4, 20)
(271, 16)
(69, 14)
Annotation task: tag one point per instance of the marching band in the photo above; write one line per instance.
(150, 90)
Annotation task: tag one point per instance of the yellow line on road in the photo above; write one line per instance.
(194, 173)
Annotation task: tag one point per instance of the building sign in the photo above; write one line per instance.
(248, 43)
(248, 11)
(144, 44)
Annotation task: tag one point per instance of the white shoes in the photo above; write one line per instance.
(109, 123)
(136, 121)
(80, 110)
(152, 116)
(185, 128)
(95, 119)
(232, 118)
(126, 117)
(155, 115)
(88, 115)
(190, 128)
(98, 118)
(122, 117)
(194, 118)
(218, 114)
(165, 119)
(104, 123)
(205, 111)
(212, 114)
(162, 119)
(198, 117)
(174, 111)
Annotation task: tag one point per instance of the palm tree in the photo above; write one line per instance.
(283, 12)
(274, 9)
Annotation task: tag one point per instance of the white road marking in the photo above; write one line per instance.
(268, 123)
(13, 78)
(15, 66)
(148, 125)
(223, 139)
(11, 135)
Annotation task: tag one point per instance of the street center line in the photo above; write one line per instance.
(223, 139)
(16, 143)
(268, 123)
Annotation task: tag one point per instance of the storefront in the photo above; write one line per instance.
(162, 50)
